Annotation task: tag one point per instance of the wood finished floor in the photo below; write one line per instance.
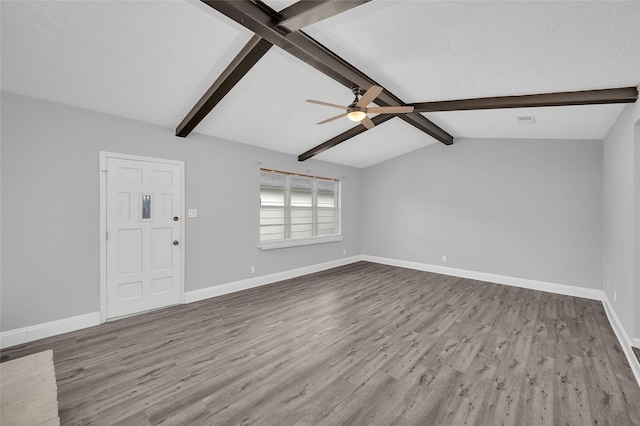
(363, 344)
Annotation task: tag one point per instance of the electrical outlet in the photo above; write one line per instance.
(615, 296)
(444, 258)
(253, 269)
(607, 284)
(344, 251)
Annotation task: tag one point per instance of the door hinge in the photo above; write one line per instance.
(106, 174)
(106, 235)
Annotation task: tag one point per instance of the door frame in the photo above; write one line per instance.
(104, 156)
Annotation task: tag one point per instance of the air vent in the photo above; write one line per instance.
(526, 119)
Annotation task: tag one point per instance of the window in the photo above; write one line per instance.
(297, 209)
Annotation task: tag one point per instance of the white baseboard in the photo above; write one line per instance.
(623, 337)
(219, 290)
(40, 331)
(48, 329)
(568, 290)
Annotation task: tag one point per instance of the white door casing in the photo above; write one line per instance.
(142, 234)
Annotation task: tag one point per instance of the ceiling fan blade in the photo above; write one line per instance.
(326, 104)
(391, 109)
(333, 118)
(369, 96)
(366, 122)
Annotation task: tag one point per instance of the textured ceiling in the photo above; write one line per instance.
(152, 60)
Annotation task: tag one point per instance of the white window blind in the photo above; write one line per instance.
(297, 207)
(327, 207)
(272, 206)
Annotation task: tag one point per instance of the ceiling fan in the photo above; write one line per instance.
(283, 29)
(357, 110)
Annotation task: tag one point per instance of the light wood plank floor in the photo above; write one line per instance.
(363, 344)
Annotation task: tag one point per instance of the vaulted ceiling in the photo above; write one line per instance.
(153, 60)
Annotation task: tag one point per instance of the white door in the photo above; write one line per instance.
(143, 235)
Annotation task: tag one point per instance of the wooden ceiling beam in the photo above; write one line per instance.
(263, 23)
(378, 119)
(297, 15)
(584, 97)
(241, 64)
(304, 13)
(258, 19)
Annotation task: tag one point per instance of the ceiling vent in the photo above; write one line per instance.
(526, 119)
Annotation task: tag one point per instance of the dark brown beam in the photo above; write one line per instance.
(264, 24)
(584, 97)
(297, 43)
(300, 13)
(355, 131)
(241, 64)
(304, 13)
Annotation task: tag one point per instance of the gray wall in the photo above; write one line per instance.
(50, 207)
(621, 183)
(522, 208)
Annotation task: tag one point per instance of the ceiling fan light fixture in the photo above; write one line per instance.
(356, 115)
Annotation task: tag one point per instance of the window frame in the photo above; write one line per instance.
(287, 241)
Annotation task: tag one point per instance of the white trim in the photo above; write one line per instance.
(53, 328)
(568, 290)
(623, 338)
(104, 155)
(101, 238)
(272, 245)
(219, 290)
(40, 331)
(48, 329)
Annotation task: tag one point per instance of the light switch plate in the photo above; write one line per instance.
(192, 213)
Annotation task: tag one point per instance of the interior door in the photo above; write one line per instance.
(143, 241)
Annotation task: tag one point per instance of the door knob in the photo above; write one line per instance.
(175, 242)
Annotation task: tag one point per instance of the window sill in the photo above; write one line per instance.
(272, 245)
